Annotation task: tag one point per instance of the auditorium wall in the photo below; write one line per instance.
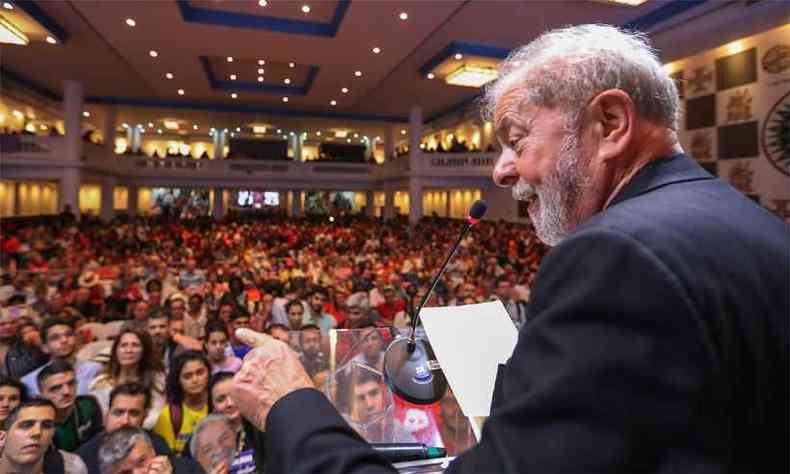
(736, 120)
(90, 199)
(28, 198)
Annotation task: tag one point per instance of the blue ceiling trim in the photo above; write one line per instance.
(661, 14)
(642, 23)
(264, 22)
(473, 49)
(29, 7)
(257, 87)
(215, 107)
(38, 88)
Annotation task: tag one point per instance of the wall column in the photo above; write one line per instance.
(389, 143)
(370, 204)
(110, 116)
(131, 204)
(108, 199)
(296, 203)
(447, 207)
(72, 123)
(389, 204)
(69, 193)
(415, 201)
(218, 208)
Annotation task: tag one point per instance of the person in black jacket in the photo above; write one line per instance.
(657, 328)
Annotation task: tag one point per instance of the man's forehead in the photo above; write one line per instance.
(43, 413)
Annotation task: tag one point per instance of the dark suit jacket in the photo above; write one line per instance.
(657, 340)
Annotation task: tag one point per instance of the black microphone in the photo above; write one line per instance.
(410, 366)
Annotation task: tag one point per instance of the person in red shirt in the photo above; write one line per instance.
(391, 306)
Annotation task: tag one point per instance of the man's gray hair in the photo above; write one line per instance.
(117, 446)
(194, 443)
(567, 67)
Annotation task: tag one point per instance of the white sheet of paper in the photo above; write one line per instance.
(470, 341)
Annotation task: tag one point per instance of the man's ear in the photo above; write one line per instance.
(613, 117)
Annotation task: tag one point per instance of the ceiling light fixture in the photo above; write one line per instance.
(279, 131)
(153, 53)
(10, 34)
(471, 76)
(86, 114)
(403, 16)
(131, 22)
(458, 56)
(8, 6)
(232, 134)
(260, 78)
(51, 40)
(261, 62)
(333, 102)
(125, 125)
(150, 125)
(287, 81)
(260, 70)
(344, 90)
(169, 75)
(305, 8)
(230, 59)
(431, 75)
(159, 131)
(291, 65)
(234, 95)
(195, 127)
(262, 3)
(232, 77)
(285, 99)
(259, 129)
(376, 50)
(238, 129)
(318, 133)
(348, 140)
(170, 124)
(356, 135)
(403, 131)
(180, 91)
(631, 3)
(358, 73)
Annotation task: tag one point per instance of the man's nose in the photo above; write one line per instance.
(505, 173)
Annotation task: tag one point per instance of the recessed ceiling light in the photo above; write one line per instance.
(234, 95)
(230, 59)
(285, 99)
(356, 135)
(232, 77)
(333, 102)
(150, 124)
(180, 91)
(195, 127)
(8, 6)
(348, 140)
(169, 75)
(430, 75)
(458, 56)
(403, 131)
(287, 81)
(86, 114)
(125, 125)
(403, 16)
(318, 133)
(51, 40)
(260, 70)
(260, 78)
(344, 90)
(238, 129)
(305, 8)
(262, 3)
(261, 62)
(279, 131)
(376, 50)
(358, 73)
(292, 65)
(378, 138)
(153, 53)
(159, 131)
(131, 22)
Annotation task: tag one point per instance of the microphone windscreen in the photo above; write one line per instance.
(478, 209)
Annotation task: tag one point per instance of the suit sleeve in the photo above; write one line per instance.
(306, 434)
(609, 374)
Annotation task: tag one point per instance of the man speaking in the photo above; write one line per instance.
(657, 334)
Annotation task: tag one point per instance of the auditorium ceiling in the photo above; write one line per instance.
(334, 63)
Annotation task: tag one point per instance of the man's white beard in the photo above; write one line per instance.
(558, 196)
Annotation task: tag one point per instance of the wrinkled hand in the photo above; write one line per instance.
(271, 371)
(160, 465)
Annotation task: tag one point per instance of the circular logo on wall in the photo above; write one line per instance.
(776, 59)
(776, 135)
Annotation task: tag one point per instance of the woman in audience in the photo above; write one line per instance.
(216, 346)
(12, 393)
(132, 360)
(220, 402)
(187, 399)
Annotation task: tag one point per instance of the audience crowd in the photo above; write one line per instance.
(117, 340)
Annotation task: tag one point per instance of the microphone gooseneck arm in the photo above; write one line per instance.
(415, 317)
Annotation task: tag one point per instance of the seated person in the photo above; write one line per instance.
(26, 438)
(12, 393)
(216, 344)
(130, 450)
(77, 417)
